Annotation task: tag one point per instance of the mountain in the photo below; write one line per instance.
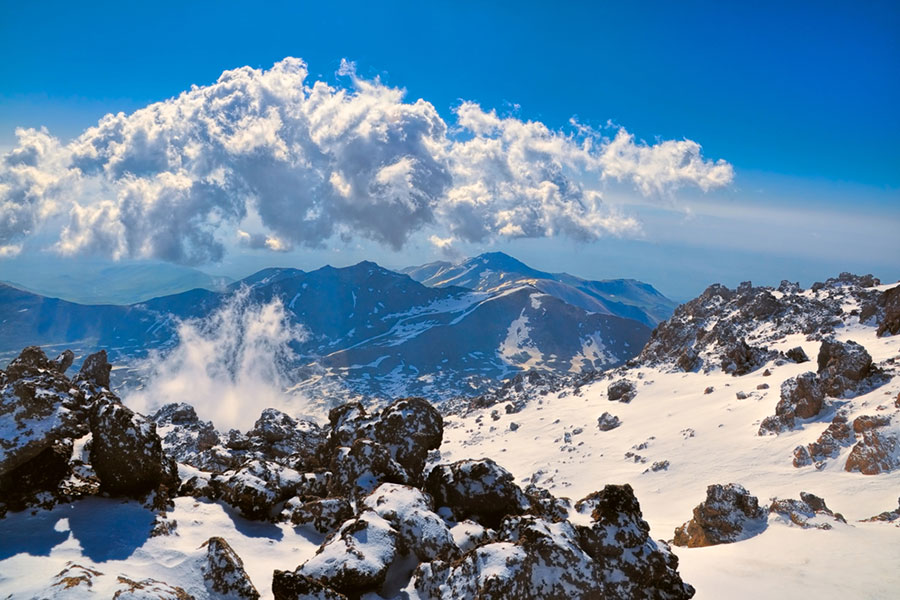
(101, 282)
(377, 332)
(492, 271)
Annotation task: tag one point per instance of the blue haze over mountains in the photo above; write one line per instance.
(438, 330)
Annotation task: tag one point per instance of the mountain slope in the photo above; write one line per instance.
(626, 298)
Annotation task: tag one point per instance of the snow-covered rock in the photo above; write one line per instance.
(224, 572)
(729, 514)
(477, 489)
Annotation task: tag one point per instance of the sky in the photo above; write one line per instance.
(677, 143)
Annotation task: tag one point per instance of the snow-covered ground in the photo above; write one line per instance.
(706, 439)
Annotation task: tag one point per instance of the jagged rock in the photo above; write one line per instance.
(62, 362)
(842, 366)
(878, 448)
(95, 370)
(688, 360)
(257, 487)
(805, 513)
(357, 557)
(633, 565)
(797, 355)
(224, 571)
(348, 423)
(276, 435)
(728, 514)
(148, 589)
(38, 407)
(325, 514)
(547, 505)
(126, 452)
(409, 428)
(889, 301)
(801, 398)
(607, 422)
(73, 579)
(28, 484)
(480, 489)
(191, 441)
(739, 358)
(288, 585)
(887, 516)
(621, 391)
(837, 435)
(358, 470)
(532, 559)
(409, 511)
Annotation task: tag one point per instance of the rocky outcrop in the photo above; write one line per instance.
(224, 571)
(477, 489)
(843, 367)
(739, 358)
(809, 512)
(126, 452)
(837, 435)
(878, 448)
(801, 398)
(728, 514)
(621, 391)
(887, 516)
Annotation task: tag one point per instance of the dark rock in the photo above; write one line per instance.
(480, 489)
(409, 428)
(762, 386)
(797, 355)
(739, 358)
(889, 301)
(289, 585)
(709, 390)
(127, 453)
(276, 435)
(357, 557)
(801, 398)
(547, 505)
(728, 514)
(887, 516)
(325, 515)
(607, 422)
(837, 435)
(62, 362)
(95, 370)
(688, 360)
(358, 470)
(621, 391)
(224, 571)
(21, 487)
(842, 366)
(878, 448)
(257, 487)
(191, 441)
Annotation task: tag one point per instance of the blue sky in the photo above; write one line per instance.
(800, 100)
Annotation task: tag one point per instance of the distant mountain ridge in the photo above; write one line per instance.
(626, 298)
(377, 332)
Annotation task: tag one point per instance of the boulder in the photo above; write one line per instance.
(356, 558)
(728, 514)
(797, 355)
(607, 422)
(62, 362)
(289, 585)
(739, 358)
(409, 428)
(257, 487)
(837, 435)
(878, 448)
(276, 435)
(621, 391)
(224, 571)
(801, 398)
(809, 512)
(324, 515)
(358, 470)
(126, 452)
(410, 512)
(95, 370)
(889, 320)
(480, 489)
(191, 441)
(37, 481)
(842, 366)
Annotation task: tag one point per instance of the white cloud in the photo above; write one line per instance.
(312, 162)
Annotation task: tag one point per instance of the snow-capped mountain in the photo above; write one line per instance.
(368, 330)
(493, 271)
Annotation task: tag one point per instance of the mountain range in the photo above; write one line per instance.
(442, 330)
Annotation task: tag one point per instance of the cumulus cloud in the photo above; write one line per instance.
(311, 161)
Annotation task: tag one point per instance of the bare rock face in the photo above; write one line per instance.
(357, 557)
(878, 448)
(809, 512)
(621, 391)
(842, 366)
(801, 398)
(95, 370)
(728, 514)
(480, 489)
(127, 453)
(38, 408)
(62, 362)
(608, 422)
(224, 571)
(324, 515)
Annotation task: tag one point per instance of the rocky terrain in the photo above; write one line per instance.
(744, 414)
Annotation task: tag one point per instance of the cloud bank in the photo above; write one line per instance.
(309, 162)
